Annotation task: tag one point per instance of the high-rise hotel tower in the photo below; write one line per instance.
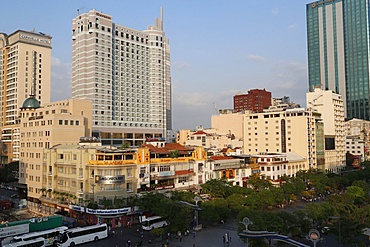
(338, 52)
(25, 61)
(126, 75)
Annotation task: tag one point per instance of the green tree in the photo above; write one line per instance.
(209, 214)
(174, 154)
(362, 184)
(217, 188)
(236, 202)
(222, 208)
(356, 193)
(259, 183)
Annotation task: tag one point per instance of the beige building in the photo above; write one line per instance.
(330, 106)
(57, 123)
(277, 131)
(87, 172)
(25, 71)
(209, 139)
(126, 74)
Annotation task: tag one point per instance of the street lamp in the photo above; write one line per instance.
(339, 232)
(314, 236)
(246, 222)
(196, 199)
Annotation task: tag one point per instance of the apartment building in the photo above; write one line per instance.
(233, 169)
(330, 106)
(126, 74)
(278, 130)
(25, 61)
(41, 128)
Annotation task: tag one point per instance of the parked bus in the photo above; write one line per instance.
(50, 236)
(36, 242)
(82, 235)
(149, 223)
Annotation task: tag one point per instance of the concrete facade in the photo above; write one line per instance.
(25, 62)
(58, 123)
(330, 106)
(126, 74)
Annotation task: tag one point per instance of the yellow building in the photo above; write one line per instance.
(85, 172)
(57, 123)
(25, 61)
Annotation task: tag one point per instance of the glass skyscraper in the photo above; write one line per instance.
(338, 51)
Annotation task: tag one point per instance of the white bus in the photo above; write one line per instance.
(36, 242)
(82, 235)
(50, 236)
(149, 223)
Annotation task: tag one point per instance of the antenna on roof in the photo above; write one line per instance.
(215, 107)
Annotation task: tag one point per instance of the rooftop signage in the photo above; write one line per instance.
(36, 39)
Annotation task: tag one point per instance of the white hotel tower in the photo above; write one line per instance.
(126, 75)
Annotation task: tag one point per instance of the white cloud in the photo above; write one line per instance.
(254, 57)
(61, 80)
(275, 11)
(293, 26)
(179, 65)
(191, 109)
(290, 79)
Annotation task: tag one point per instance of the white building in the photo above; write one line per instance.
(330, 106)
(126, 74)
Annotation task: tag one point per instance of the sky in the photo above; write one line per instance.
(218, 48)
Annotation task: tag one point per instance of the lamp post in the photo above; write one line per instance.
(246, 222)
(196, 199)
(339, 232)
(314, 236)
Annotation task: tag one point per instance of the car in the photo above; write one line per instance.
(325, 230)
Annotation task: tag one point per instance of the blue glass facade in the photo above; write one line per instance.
(338, 51)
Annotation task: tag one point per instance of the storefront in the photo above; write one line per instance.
(113, 217)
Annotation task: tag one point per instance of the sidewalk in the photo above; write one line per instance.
(211, 236)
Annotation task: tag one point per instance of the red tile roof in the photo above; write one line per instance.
(221, 158)
(200, 132)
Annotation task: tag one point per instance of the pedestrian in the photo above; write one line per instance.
(116, 245)
(223, 239)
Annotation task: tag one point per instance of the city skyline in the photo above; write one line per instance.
(213, 56)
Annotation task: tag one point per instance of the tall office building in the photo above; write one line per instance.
(126, 75)
(25, 61)
(338, 47)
